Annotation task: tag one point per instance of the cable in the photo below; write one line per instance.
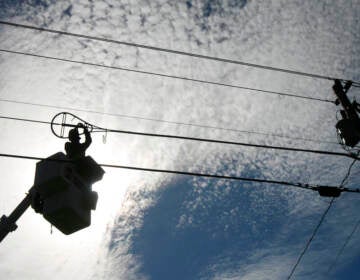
(343, 182)
(311, 238)
(191, 138)
(166, 76)
(210, 140)
(232, 143)
(348, 173)
(195, 174)
(24, 120)
(347, 240)
(171, 122)
(219, 59)
(320, 222)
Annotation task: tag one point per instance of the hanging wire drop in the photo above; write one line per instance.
(104, 137)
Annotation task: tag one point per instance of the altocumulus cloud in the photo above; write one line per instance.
(190, 228)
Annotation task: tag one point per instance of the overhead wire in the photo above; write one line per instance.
(160, 49)
(347, 240)
(313, 187)
(24, 120)
(166, 50)
(264, 91)
(168, 122)
(323, 152)
(197, 56)
(343, 182)
(288, 71)
(320, 222)
(194, 174)
(341, 250)
(310, 239)
(166, 75)
(208, 140)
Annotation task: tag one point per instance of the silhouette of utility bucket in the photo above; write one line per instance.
(68, 211)
(89, 170)
(65, 189)
(55, 173)
(52, 175)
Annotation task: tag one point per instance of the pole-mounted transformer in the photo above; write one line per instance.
(348, 128)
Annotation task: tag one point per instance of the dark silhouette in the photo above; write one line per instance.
(62, 190)
(74, 149)
(37, 202)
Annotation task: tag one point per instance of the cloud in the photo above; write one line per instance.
(175, 226)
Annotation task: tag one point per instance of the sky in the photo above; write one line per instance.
(160, 226)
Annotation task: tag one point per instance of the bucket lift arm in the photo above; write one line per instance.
(8, 224)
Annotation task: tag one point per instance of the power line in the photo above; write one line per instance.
(195, 174)
(301, 185)
(232, 143)
(167, 121)
(24, 120)
(320, 222)
(311, 238)
(207, 140)
(347, 240)
(159, 49)
(354, 229)
(166, 76)
(188, 138)
(348, 173)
